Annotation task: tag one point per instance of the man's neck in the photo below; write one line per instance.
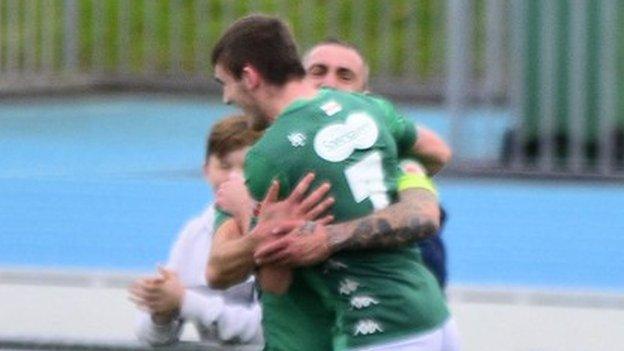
(279, 99)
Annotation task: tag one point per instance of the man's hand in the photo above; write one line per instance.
(413, 167)
(295, 215)
(297, 205)
(305, 245)
(292, 211)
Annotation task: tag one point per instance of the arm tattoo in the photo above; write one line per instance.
(415, 217)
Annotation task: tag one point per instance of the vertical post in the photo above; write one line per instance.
(548, 72)
(518, 89)
(124, 34)
(385, 52)
(227, 13)
(13, 37)
(175, 36)
(458, 66)
(255, 6)
(411, 48)
(440, 35)
(495, 35)
(578, 82)
(30, 54)
(307, 27)
(149, 58)
(70, 55)
(359, 26)
(333, 28)
(608, 84)
(282, 8)
(201, 36)
(99, 51)
(47, 37)
(2, 36)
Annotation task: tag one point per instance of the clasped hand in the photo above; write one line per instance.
(290, 232)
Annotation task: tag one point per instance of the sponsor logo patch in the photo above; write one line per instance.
(336, 142)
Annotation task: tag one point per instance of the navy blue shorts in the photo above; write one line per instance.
(434, 253)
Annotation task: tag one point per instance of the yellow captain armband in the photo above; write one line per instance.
(412, 181)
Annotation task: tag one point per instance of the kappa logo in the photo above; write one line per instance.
(336, 142)
(347, 286)
(334, 264)
(331, 108)
(297, 139)
(367, 327)
(360, 302)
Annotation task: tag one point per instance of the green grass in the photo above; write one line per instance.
(149, 40)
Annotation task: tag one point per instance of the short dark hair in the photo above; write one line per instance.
(265, 43)
(344, 44)
(339, 42)
(230, 134)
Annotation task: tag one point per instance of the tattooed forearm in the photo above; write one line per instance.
(415, 217)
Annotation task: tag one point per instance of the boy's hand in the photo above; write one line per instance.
(234, 198)
(161, 296)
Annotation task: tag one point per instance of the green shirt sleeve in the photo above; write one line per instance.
(220, 217)
(402, 129)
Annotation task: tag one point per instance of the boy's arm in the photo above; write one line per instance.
(157, 334)
(231, 259)
(231, 256)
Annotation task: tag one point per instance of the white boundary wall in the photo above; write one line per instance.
(93, 307)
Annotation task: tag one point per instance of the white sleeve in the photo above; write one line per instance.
(179, 248)
(239, 323)
(201, 308)
(157, 334)
(235, 322)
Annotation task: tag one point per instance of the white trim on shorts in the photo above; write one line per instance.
(444, 338)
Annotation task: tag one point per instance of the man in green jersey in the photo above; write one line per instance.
(340, 65)
(356, 281)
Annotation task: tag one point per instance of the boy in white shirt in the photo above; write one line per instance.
(178, 292)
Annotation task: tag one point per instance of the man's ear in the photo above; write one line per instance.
(250, 77)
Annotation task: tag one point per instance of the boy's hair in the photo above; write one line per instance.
(230, 134)
(263, 42)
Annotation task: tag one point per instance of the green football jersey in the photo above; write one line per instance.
(357, 298)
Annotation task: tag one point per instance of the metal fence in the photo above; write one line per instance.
(557, 64)
(567, 86)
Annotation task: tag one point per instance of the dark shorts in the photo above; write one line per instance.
(434, 253)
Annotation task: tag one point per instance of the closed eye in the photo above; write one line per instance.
(317, 70)
(346, 74)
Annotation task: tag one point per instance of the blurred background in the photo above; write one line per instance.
(105, 105)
